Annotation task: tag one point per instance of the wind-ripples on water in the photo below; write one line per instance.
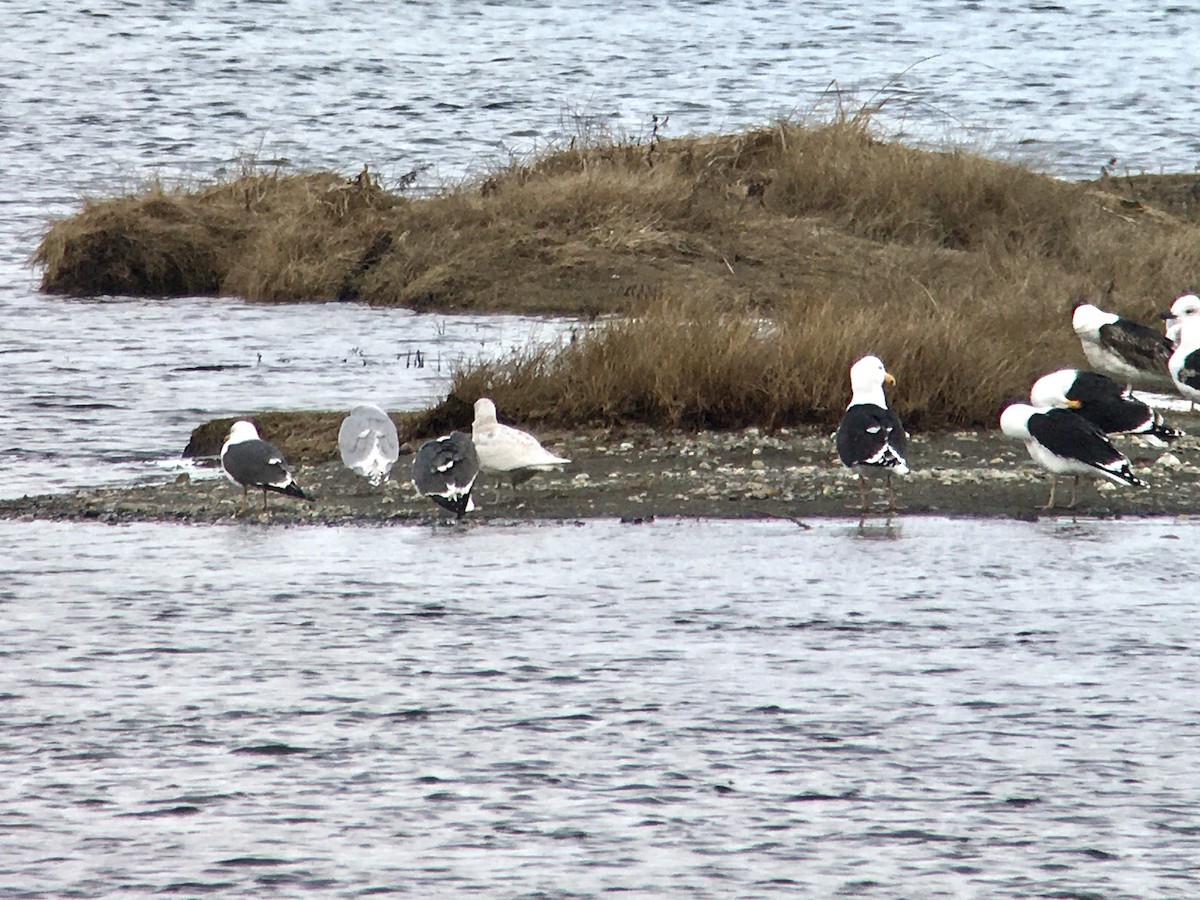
(505, 710)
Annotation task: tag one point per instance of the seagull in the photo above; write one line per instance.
(1102, 402)
(250, 461)
(368, 442)
(1185, 361)
(1184, 305)
(1065, 443)
(1123, 349)
(870, 437)
(445, 469)
(507, 450)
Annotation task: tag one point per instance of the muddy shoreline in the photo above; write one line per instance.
(640, 474)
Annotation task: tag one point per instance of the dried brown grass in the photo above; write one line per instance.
(956, 269)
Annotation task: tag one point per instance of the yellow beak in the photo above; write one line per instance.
(888, 378)
(1073, 404)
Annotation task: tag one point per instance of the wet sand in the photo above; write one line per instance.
(638, 474)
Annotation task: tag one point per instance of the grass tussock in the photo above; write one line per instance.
(754, 267)
(675, 363)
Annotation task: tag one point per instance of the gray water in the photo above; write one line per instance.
(691, 709)
(503, 711)
(107, 391)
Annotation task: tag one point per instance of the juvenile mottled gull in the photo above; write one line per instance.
(368, 442)
(1102, 402)
(1065, 443)
(445, 469)
(1123, 349)
(870, 437)
(250, 461)
(507, 450)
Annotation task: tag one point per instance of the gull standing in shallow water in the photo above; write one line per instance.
(870, 437)
(1125, 350)
(368, 442)
(507, 450)
(1064, 443)
(250, 461)
(1102, 402)
(445, 469)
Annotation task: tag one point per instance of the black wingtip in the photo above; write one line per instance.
(294, 490)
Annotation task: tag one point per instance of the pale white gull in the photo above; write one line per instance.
(507, 450)
(368, 442)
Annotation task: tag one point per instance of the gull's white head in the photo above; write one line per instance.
(485, 412)
(867, 378)
(1185, 306)
(1051, 390)
(1087, 319)
(242, 431)
(1186, 334)
(1014, 420)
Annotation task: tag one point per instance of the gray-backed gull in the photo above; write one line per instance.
(368, 442)
(250, 461)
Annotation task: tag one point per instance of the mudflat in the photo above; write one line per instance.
(638, 474)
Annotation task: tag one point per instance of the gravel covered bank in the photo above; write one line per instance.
(638, 474)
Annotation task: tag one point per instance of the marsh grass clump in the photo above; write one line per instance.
(676, 364)
(748, 270)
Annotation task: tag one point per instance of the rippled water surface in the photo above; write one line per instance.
(759, 710)
(109, 390)
(695, 709)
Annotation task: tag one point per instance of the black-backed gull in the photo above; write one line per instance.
(444, 470)
(507, 450)
(250, 461)
(1185, 361)
(1102, 402)
(368, 442)
(1132, 353)
(1064, 443)
(1184, 306)
(870, 437)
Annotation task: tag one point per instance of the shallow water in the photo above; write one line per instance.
(761, 710)
(107, 391)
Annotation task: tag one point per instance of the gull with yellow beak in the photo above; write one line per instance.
(1103, 402)
(870, 437)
